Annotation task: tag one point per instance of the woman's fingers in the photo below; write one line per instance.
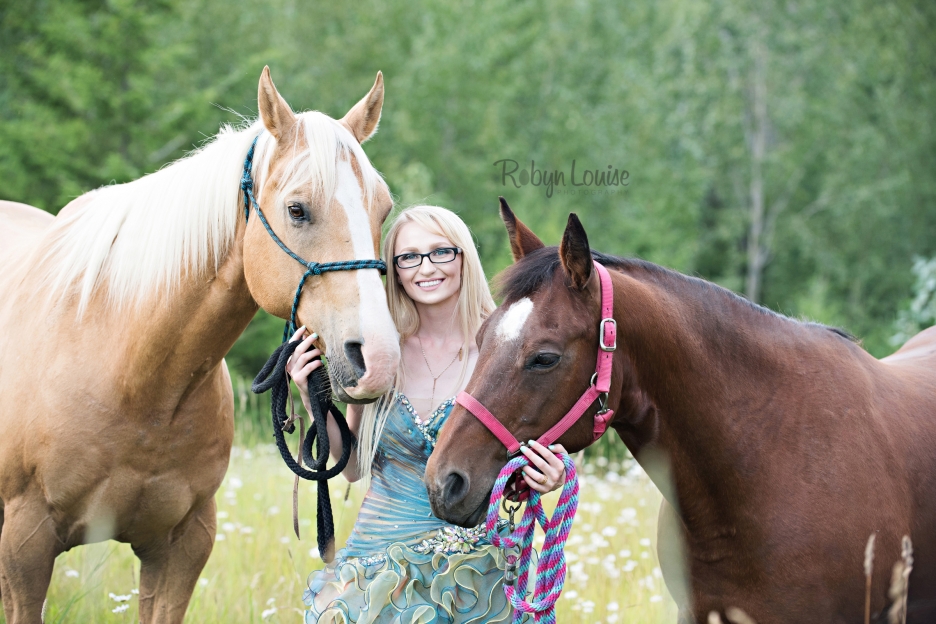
(544, 459)
(301, 349)
(298, 334)
(311, 366)
(551, 471)
(534, 482)
(307, 357)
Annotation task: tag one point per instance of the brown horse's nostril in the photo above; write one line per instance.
(456, 487)
(352, 349)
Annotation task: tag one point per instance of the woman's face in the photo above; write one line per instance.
(429, 283)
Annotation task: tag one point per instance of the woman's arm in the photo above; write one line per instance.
(300, 365)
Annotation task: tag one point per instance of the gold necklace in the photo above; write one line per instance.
(436, 377)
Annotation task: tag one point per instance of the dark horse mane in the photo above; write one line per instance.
(528, 275)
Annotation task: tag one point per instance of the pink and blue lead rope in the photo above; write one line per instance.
(551, 567)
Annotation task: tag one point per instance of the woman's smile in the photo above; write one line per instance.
(429, 284)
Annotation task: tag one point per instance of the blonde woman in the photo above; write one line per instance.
(402, 564)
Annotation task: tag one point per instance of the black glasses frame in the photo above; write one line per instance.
(396, 259)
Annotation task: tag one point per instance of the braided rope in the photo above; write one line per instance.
(551, 567)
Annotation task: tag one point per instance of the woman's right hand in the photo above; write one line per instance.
(301, 363)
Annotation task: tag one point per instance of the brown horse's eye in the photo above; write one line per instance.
(543, 361)
(296, 211)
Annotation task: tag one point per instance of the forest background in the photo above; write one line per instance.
(785, 150)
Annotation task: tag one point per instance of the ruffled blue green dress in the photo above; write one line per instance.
(401, 564)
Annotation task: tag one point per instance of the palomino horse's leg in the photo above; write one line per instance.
(28, 548)
(170, 569)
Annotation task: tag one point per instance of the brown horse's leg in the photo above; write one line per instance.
(28, 548)
(170, 569)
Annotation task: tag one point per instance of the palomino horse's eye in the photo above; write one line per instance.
(296, 211)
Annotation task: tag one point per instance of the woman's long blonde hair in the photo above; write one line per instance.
(474, 305)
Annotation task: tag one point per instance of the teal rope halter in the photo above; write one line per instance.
(312, 268)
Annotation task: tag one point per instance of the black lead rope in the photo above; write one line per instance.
(273, 377)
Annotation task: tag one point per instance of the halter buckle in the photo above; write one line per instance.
(601, 334)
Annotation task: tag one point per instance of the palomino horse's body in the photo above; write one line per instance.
(779, 446)
(116, 409)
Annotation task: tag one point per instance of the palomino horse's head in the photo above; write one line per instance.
(537, 354)
(325, 201)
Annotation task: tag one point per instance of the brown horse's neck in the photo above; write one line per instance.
(165, 349)
(714, 377)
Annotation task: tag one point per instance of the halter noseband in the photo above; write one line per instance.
(312, 268)
(598, 390)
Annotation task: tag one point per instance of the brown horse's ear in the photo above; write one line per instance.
(522, 238)
(274, 111)
(575, 253)
(363, 118)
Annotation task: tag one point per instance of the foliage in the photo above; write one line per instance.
(921, 312)
(839, 97)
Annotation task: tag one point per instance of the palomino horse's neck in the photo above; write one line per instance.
(166, 348)
(714, 378)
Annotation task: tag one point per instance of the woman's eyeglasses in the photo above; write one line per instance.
(411, 260)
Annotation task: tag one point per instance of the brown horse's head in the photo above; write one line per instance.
(537, 354)
(326, 202)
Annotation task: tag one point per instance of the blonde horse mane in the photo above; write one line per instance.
(140, 239)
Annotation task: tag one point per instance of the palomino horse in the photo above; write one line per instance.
(116, 409)
(779, 446)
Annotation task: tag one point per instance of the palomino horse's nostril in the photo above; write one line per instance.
(456, 487)
(352, 349)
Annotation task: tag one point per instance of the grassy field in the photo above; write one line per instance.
(258, 568)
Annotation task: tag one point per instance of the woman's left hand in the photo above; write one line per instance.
(549, 473)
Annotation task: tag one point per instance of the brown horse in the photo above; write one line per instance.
(116, 409)
(779, 445)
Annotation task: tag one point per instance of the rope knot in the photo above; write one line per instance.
(315, 268)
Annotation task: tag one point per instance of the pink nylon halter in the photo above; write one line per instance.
(601, 384)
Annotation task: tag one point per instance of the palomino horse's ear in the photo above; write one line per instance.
(522, 238)
(575, 253)
(363, 118)
(274, 111)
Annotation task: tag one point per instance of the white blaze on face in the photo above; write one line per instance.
(511, 324)
(373, 313)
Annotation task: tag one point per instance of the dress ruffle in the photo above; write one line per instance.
(409, 587)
